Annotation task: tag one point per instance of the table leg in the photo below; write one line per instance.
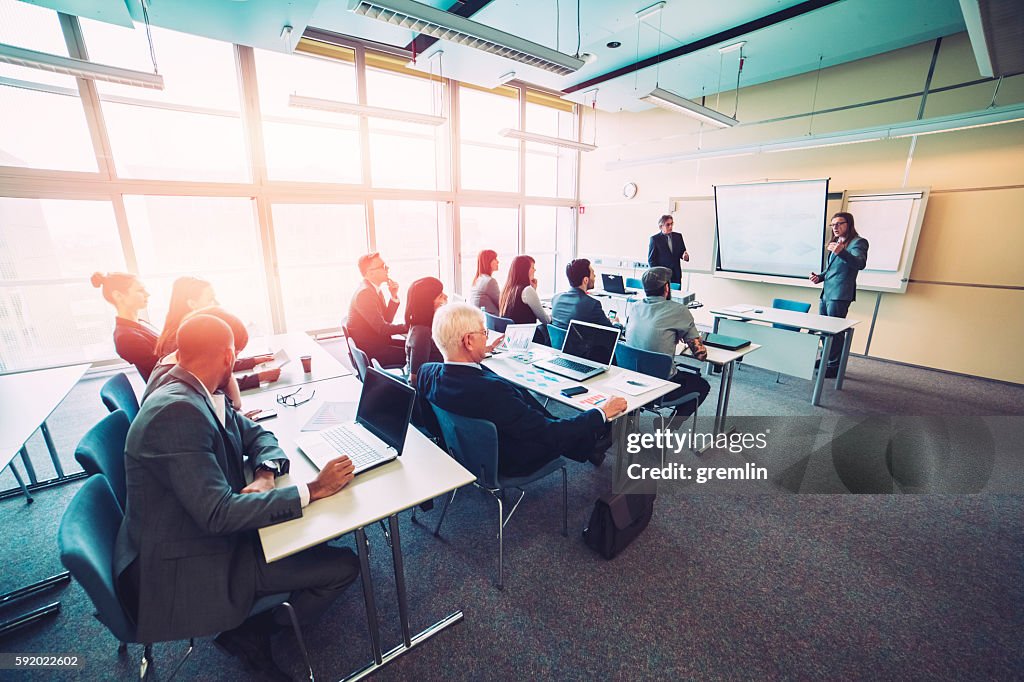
(396, 558)
(842, 361)
(29, 469)
(721, 400)
(727, 373)
(21, 482)
(53, 450)
(371, 605)
(819, 380)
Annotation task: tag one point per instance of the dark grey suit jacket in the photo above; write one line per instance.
(840, 275)
(666, 253)
(191, 533)
(576, 305)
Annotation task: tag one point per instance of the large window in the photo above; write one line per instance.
(489, 161)
(408, 236)
(487, 228)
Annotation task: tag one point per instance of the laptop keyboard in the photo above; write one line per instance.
(345, 442)
(569, 364)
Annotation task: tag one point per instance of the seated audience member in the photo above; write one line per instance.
(485, 292)
(576, 303)
(134, 339)
(189, 294)
(187, 562)
(658, 323)
(519, 299)
(528, 436)
(370, 318)
(425, 296)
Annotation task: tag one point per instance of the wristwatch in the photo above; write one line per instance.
(271, 466)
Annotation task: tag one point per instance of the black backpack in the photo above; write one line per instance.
(616, 521)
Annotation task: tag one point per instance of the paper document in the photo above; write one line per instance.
(280, 360)
(632, 384)
(739, 308)
(592, 399)
(331, 414)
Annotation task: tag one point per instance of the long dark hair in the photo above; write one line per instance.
(483, 263)
(419, 306)
(518, 279)
(184, 289)
(851, 232)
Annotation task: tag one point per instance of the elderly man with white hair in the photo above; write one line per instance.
(528, 436)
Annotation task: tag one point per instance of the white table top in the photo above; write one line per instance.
(423, 472)
(809, 321)
(296, 344)
(719, 356)
(28, 399)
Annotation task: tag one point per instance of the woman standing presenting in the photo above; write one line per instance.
(485, 292)
(134, 339)
(848, 255)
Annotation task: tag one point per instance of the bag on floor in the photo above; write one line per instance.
(616, 521)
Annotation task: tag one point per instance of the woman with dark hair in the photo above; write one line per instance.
(485, 292)
(848, 255)
(425, 296)
(519, 299)
(134, 339)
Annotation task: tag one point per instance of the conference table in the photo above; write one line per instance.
(323, 365)
(788, 351)
(726, 361)
(421, 473)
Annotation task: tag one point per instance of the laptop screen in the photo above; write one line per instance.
(613, 283)
(385, 407)
(591, 341)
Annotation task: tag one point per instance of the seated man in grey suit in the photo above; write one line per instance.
(371, 320)
(187, 559)
(577, 304)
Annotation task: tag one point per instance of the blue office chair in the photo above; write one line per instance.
(675, 286)
(117, 394)
(795, 306)
(474, 444)
(101, 451)
(358, 358)
(634, 283)
(658, 365)
(557, 336)
(86, 537)
(496, 323)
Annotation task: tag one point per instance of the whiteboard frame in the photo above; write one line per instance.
(900, 278)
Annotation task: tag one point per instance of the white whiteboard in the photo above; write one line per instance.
(891, 222)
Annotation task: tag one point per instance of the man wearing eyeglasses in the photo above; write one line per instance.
(667, 248)
(187, 562)
(847, 255)
(370, 317)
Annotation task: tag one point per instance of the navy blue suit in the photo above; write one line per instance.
(667, 252)
(576, 305)
(528, 436)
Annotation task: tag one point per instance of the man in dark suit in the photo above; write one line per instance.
(187, 559)
(577, 304)
(848, 255)
(528, 436)
(370, 317)
(667, 248)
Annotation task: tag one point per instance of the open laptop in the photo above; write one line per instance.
(588, 350)
(378, 433)
(613, 284)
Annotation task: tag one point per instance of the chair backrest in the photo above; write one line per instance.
(634, 283)
(473, 443)
(644, 361)
(101, 451)
(117, 394)
(496, 323)
(675, 286)
(557, 336)
(795, 306)
(86, 537)
(358, 357)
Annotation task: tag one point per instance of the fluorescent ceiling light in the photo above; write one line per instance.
(545, 139)
(301, 102)
(732, 48)
(650, 11)
(673, 102)
(436, 23)
(1011, 113)
(79, 68)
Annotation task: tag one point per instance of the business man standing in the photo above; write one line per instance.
(667, 248)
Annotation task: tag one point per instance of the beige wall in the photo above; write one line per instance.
(973, 231)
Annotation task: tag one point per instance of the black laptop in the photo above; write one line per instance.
(613, 284)
(726, 342)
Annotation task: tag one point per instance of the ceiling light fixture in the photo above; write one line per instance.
(442, 25)
(301, 102)
(650, 11)
(79, 68)
(661, 97)
(545, 139)
(732, 48)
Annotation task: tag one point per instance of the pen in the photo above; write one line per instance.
(634, 383)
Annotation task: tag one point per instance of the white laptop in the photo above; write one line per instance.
(378, 433)
(588, 350)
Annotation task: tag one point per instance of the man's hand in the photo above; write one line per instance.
(261, 483)
(393, 288)
(686, 256)
(269, 375)
(260, 359)
(333, 477)
(495, 344)
(815, 277)
(614, 407)
(837, 247)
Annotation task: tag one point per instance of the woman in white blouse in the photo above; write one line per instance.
(485, 292)
(519, 299)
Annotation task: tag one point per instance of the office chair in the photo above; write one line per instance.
(496, 323)
(86, 537)
(634, 283)
(101, 451)
(658, 365)
(474, 444)
(786, 304)
(358, 357)
(117, 394)
(557, 336)
(398, 373)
